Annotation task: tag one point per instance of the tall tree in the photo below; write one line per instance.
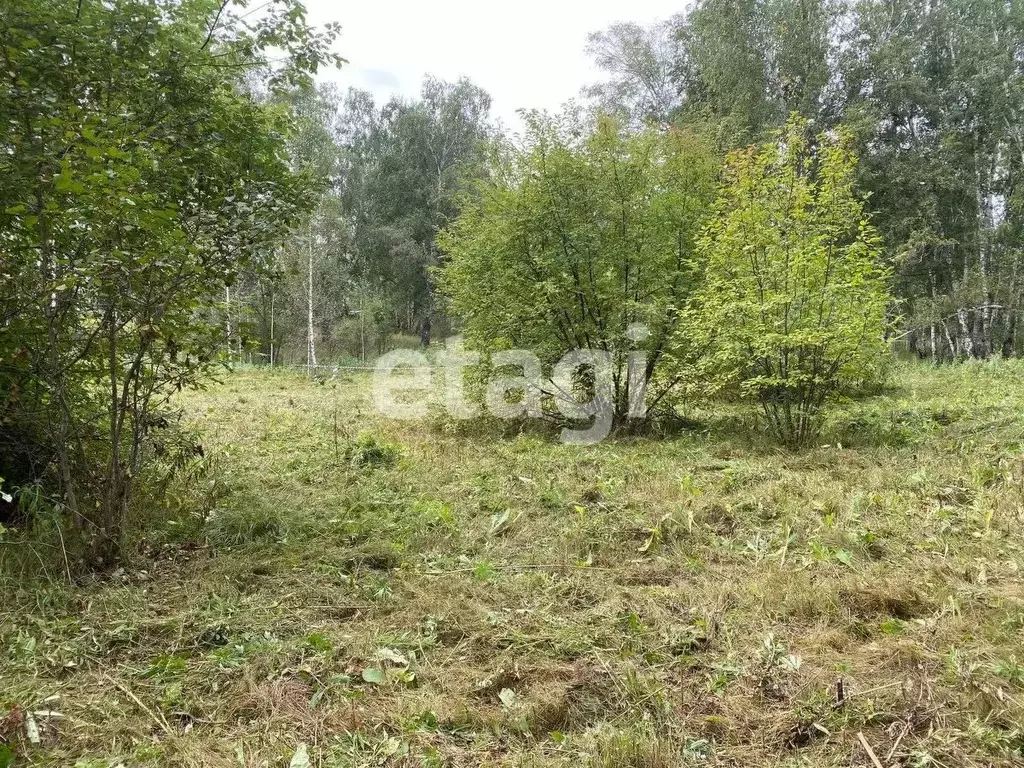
(743, 65)
(726, 69)
(749, 64)
(409, 162)
(639, 62)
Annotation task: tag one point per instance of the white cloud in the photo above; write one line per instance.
(526, 54)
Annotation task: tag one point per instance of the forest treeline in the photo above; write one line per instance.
(931, 92)
(356, 274)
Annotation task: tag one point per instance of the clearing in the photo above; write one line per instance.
(450, 593)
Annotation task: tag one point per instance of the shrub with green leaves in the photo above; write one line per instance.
(794, 302)
(577, 236)
(140, 177)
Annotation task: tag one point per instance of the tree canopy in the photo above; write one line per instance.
(932, 94)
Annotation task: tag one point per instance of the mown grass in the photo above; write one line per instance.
(453, 594)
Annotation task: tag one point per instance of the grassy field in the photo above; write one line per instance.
(363, 592)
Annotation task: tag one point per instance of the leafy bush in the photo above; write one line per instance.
(125, 212)
(795, 297)
(576, 238)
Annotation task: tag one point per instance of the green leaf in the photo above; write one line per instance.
(892, 627)
(375, 676)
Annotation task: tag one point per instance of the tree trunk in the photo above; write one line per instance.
(311, 336)
(1009, 339)
(965, 332)
(954, 350)
(227, 313)
(934, 330)
(271, 329)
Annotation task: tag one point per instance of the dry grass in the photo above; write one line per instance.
(497, 599)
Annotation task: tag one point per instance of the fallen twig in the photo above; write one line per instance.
(896, 744)
(160, 721)
(867, 748)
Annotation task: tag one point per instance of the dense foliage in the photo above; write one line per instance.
(578, 238)
(794, 303)
(358, 272)
(139, 178)
(934, 94)
(931, 93)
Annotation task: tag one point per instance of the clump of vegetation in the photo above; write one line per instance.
(583, 238)
(367, 450)
(783, 296)
(235, 526)
(794, 302)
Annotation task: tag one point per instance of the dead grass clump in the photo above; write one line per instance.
(278, 701)
(494, 684)
(550, 709)
(888, 597)
(370, 558)
(590, 697)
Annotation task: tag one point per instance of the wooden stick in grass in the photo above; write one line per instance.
(867, 748)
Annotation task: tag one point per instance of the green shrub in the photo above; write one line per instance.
(795, 298)
(582, 239)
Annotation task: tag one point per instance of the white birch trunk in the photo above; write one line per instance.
(271, 330)
(965, 332)
(227, 321)
(311, 351)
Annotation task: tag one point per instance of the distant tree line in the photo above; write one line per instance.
(355, 278)
(933, 94)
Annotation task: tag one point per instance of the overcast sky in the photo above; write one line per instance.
(525, 54)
